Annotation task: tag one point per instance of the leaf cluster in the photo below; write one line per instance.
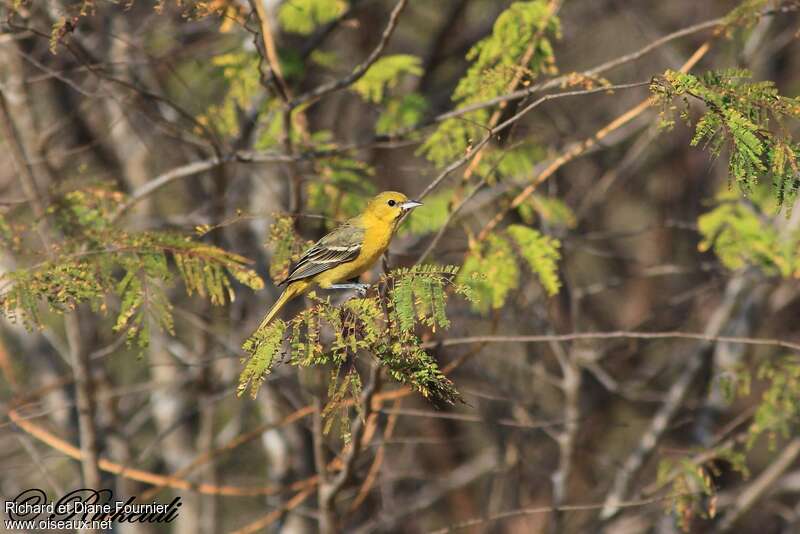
(305, 16)
(497, 60)
(747, 118)
(97, 261)
(492, 270)
(742, 233)
(385, 325)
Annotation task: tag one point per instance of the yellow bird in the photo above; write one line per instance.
(347, 252)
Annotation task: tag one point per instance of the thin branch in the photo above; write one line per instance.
(570, 386)
(455, 479)
(270, 51)
(550, 509)
(78, 355)
(553, 6)
(360, 69)
(761, 486)
(580, 148)
(374, 469)
(590, 73)
(677, 392)
(620, 334)
(328, 490)
(276, 514)
(184, 171)
(147, 477)
(510, 121)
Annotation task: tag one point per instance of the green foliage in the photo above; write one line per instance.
(240, 75)
(455, 137)
(513, 161)
(263, 346)
(401, 113)
(385, 74)
(741, 234)
(431, 215)
(776, 417)
(691, 484)
(496, 59)
(520, 46)
(541, 253)
(747, 13)
(550, 210)
(739, 114)
(85, 211)
(10, 237)
(341, 189)
(304, 16)
(778, 411)
(97, 261)
(387, 327)
(491, 269)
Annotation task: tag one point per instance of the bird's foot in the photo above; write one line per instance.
(361, 289)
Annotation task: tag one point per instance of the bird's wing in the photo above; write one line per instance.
(338, 247)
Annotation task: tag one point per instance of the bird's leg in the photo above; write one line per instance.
(360, 288)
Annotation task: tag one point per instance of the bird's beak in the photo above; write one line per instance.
(410, 205)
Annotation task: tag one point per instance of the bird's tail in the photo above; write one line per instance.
(292, 290)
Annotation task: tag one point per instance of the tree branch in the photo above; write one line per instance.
(360, 70)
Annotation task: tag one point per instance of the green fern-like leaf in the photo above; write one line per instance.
(541, 253)
(496, 61)
(491, 268)
(238, 75)
(385, 74)
(387, 328)
(409, 364)
(97, 261)
(304, 16)
(491, 271)
(262, 346)
(779, 411)
(739, 116)
(401, 113)
(418, 295)
(742, 234)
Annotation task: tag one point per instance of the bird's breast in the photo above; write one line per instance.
(376, 241)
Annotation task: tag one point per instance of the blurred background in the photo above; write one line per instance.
(177, 105)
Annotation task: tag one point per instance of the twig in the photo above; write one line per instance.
(457, 478)
(580, 148)
(761, 486)
(570, 385)
(593, 72)
(549, 509)
(183, 171)
(78, 354)
(333, 86)
(508, 122)
(148, 477)
(677, 392)
(620, 334)
(374, 469)
(270, 51)
(328, 490)
(553, 8)
(276, 514)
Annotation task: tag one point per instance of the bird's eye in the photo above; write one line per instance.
(392, 203)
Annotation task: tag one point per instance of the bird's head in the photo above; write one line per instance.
(389, 206)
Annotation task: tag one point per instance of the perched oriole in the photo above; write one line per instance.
(347, 252)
